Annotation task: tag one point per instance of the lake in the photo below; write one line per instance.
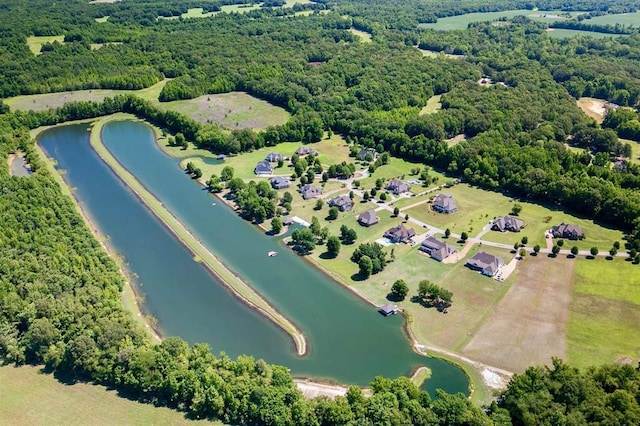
(348, 340)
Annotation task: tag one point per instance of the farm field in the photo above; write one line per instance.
(36, 398)
(235, 110)
(564, 33)
(432, 54)
(35, 43)
(622, 19)
(461, 21)
(198, 12)
(604, 312)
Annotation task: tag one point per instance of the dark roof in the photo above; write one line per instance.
(398, 186)
(507, 223)
(263, 168)
(343, 202)
(362, 155)
(445, 202)
(567, 231)
(279, 182)
(274, 157)
(399, 233)
(436, 248)
(306, 150)
(388, 309)
(310, 191)
(368, 218)
(487, 263)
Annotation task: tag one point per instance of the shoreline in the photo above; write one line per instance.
(216, 267)
(128, 294)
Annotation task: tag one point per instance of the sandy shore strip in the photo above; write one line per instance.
(238, 287)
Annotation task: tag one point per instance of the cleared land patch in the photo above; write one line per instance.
(433, 105)
(635, 149)
(35, 43)
(365, 37)
(36, 398)
(529, 325)
(460, 22)
(593, 107)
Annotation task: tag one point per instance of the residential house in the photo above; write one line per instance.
(343, 202)
(368, 218)
(362, 155)
(279, 182)
(486, 263)
(444, 203)
(507, 223)
(263, 168)
(398, 187)
(310, 191)
(437, 249)
(274, 157)
(399, 234)
(570, 232)
(306, 150)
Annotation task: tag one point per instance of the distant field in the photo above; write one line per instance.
(198, 12)
(102, 19)
(235, 110)
(433, 105)
(365, 37)
(461, 21)
(39, 399)
(605, 313)
(622, 19)
(593, 107)
(35, 43)
(635, 149)
(431, 54)
(562, 33)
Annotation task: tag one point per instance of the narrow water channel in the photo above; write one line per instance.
(348, 340)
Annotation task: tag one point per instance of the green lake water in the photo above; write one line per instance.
(348, 340)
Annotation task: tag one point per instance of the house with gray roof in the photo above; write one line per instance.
(570, 232)
(398, 187)
(274, 157)
(399, 234)
(343, 202)
(279, 182)
(388, 309)
(306, 150)
(263, 168)
(368, 218)
(362, 155)
(507, 223)
(437, 249)
(444, 203)
(486, 263)
(309, 191)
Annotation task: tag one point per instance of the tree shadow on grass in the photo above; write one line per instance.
(326, 255)
(391, 297)
(358, 277)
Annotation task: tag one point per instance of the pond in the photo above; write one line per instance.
(348, 340)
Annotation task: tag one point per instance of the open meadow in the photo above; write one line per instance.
(460, 22)
(35, 43)
(31, 397)
(364, 36)
(433, 105)
(604, 312)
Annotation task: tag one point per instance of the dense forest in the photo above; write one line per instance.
(59, 291)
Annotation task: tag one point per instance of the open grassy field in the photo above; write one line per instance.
(604, 312)
(563, 33)
(433, 105)
(234, 110)
(461, 21)
(593, 107)
(529, 325)
(365, 37)
(35, 43)
(431, 54)
(476, 207)
(635, 150)
(30, 397)
(102, 19)
(198, 12)
(621, 18)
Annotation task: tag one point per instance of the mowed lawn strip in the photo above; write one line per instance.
(36, 398)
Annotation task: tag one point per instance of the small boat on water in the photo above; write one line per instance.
(272, 253)
(213, 204)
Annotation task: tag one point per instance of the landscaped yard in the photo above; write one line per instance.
(401, 169)
(604, 313)
(31, 397)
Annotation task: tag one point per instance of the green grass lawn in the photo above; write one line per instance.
(622, 18)
(563, 33)
(635, 150)
(31, 397)
(460, 22)
(35, 43)
(397, 168)
(102, 19)
(433, 105)
(605, 312)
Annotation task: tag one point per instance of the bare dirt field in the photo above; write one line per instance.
(593, 107)
(529, 326)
